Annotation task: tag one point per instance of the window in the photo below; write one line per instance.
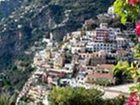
(90, 49)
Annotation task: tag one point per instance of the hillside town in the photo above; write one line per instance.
(83, 59)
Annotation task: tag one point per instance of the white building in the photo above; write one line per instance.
(121, 42)
(110, 10)
(97, 46)
(112, 34)
(103, 33)
(79, 47)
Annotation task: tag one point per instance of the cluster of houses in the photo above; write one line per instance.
(87, 55)
(83, 58)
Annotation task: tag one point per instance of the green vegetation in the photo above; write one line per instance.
(137, 51)
(120, 72)
(125, 72)
(134, 71)
(80, 96)
(13, 82)
(34, 25)
(135, 88)
(103, 82)
(4, 99)
(120, 6)
(125, 10)
(14, 79)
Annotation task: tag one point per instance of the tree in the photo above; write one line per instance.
(80, 96)
(75, 96)
(125, 10)
(119, 71)
(128, 10)
(134, 71)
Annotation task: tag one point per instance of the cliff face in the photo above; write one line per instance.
(32, 19)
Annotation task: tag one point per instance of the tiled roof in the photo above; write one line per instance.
(105, 66)
(101, 75)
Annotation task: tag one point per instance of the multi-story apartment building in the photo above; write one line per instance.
(121, 42)
(105, 34)
(101, 34)
(107, 39)
(112, 34)
(59, 60)
(98, 46)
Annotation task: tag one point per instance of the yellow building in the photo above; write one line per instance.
(59, 60)
(48, 54)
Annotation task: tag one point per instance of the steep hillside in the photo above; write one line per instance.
(33, 19)
(8, 6)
